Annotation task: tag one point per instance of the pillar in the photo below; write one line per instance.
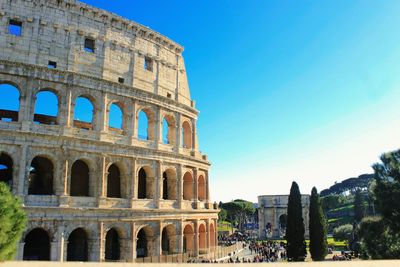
(178, 132)
(64, 108)
(23, 169)
(133, 240)
(158, 127)
(179, 176)
(102, 174)
(195, 187)
(101, 114)
(194, 135)
(196, 238)
(134, 122)
(20, 251)
(159, 184)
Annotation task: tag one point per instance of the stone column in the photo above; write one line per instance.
(64, 177)
(134, 121)
(208, 235)
(20, 251)
(157, 240)
(196, 238)
(177, 79)
(207, 188)
(23, 170)
(196, 187)
(134, 182)
(194, 136)
(179, 175)
(101, 115)
(159, 184)
(101, 242)
(133, 242)
(102, 174)
(158, 127)
(64, 108)
(57, 247)
(128, 122)
(156, 88)
(25, 102)
(179, 237)
(178, 132)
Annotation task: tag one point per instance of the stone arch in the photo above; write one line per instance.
(282, 223)
(146, 124)
(188, 181)
(212, 235)
(145, 183)
(6, 169)
(46, 107)
(169, 184)
(187, 135)
(144, 242)
(84, 112)
(80, 177)
(41, 176)
(37, 245)
(77, 248)
(115, 116)
(202, 188)
(9, 110)
(168, 240)
(188, 239)
(114, 181)
(202, 239)
(169, 129)
(112, 245)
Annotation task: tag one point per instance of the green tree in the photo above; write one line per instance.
(12, 223)
(296, 245)
(343, 233)
(318, 243)
(222, 214)
(238, 211)
(359, 209)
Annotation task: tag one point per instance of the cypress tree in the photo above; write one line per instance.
(296, 245)
(358, 206)
(318, 243)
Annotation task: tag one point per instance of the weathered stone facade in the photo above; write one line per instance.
(95, 192)
(272, 215)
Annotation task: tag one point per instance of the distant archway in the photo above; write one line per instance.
(79, 179)
(83, 113)
(188, 186)
(115, 117)
(202, 239)
(143, 243)
(202, 188)
(188, 239)
(187, 135)
(37, 245)
(168, 241)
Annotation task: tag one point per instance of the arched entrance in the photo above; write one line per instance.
(114, 182)
(282, 224)
(79, 179)
(202, 239)
(41, 177)
(144, 243)
(188, 239)
(142, 187)
(168, 240)
(202, 188)
(212, 235)
(188, 186)
(113, 248)
(37, 245)
(6, 169)
(77, 249)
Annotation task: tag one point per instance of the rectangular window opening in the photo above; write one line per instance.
(121, 80)
(89, 45)
(148, 64)
(15, 27)
(52, 64)
(169, 95)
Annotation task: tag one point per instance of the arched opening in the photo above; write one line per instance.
(142, 186)
(79, 179)
(113, 249)
(41, 177)
(77, 249)
(202, 188)
(6, 169)
(212, 235)
(169, 184)
(202, 239)
(143, 242)
(168, 240)
(115, 117)
(114, 182)
(186, 135)
(146, 124)
(46, 108)
(83, 113)
(188, 239)
(282, 222)
(143, 126)
(168, 130)
(188, 186)
(9, 103)
(37, 245)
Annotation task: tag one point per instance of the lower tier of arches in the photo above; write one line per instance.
(115, 240)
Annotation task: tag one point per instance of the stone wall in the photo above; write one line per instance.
(65, 169)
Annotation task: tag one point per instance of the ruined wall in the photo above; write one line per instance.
(45, 150)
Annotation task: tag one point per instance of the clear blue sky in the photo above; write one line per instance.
(287, 90)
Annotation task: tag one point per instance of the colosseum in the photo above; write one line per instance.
(126, 179)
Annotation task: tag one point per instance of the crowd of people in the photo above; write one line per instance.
(267, 251)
